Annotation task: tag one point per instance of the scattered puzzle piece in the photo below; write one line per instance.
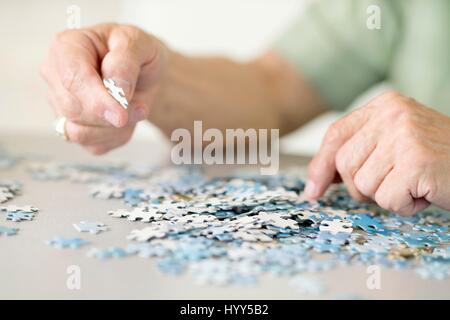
(14, 208)
(19, 216)
(107, 191)
(63, 243)
(91, 227)
(112, 252)
(8, 231)
(307, 285)
(5, 194)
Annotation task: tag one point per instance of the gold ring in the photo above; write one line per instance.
(60, 128)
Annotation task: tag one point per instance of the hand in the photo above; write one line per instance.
(78, 62)
(393, 151)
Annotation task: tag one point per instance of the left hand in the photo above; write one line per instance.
(393, 151)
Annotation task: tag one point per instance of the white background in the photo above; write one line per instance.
(238, 29)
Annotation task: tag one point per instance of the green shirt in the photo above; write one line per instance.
(333, 48)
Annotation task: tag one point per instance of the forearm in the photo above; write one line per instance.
(264, 93)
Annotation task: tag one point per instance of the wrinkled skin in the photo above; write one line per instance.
(393, 151)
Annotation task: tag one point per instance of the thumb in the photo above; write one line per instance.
(123, 69)
(128, 52)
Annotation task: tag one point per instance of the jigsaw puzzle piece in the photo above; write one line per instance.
(108, 253)
(8, 231)
(366, 222)
(336, 226)
(19, 216)
(116, 92)
(63, 243)
(14, 208)
(91, 227)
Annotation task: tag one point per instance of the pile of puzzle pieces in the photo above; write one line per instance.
(233, 229)
(8, 191)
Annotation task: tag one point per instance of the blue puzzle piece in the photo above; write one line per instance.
(172, 267)
(307, 285)
(443, 237)
(8, 231)
(19, 216)
(431, 228)
(326, 247)
(419, 240)
(132, 197)
(62, 243)
(147, 250)
(439, 271)
(112, 252)
(366, 222)
(339, 238)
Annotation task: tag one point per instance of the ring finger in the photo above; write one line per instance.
(91, 135)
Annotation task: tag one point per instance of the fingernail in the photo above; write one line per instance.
(112, 118)
(138, 115)
(125, 85)
(311, 189)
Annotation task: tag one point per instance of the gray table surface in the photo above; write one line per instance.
(30, 269)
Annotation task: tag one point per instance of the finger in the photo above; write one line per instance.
(77, 66)
(322, 169)
(102, 148)
(394, 194)
(139, 109)
(129, 50)
(352, 156)
(374, 170)
(65, 104)
(61, 101)
(90, 135)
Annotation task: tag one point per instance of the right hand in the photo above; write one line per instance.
(78, 62)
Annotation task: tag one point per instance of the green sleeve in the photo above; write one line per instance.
(332, 47)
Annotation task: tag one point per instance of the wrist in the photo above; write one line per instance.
(162, 87)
